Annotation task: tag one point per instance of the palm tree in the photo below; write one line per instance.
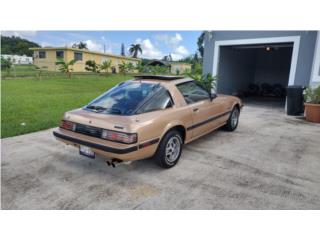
(66, 67)
(135, 49)
(106, 65)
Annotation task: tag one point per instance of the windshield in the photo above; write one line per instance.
(124, 99)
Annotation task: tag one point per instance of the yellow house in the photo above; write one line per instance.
(48, 56)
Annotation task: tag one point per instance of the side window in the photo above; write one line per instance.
(192, 92)
(159, 101)
(78, 56)
(42, 54)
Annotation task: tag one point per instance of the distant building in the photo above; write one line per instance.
(175, 67)
(48, 56)
(16, 59)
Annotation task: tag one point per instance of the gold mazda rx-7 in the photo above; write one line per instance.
(149, 116)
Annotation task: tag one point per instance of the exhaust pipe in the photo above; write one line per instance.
(113, 162)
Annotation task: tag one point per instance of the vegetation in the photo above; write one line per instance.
(123, 51)
(40, 71)
(125, 68)
(154, 70)
(6, 65)
(208, 81)
(106, 65)
(29, 105)
(167, 58)
(135, 49)
(92, 66)
(312, 95)
(17, 46)
(200, 43)
(80, 45)
(66, 67)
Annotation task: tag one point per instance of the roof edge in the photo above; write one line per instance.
(83, 50)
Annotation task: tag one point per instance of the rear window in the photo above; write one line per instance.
(126, 98)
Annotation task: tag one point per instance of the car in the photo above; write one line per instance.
(148, 116)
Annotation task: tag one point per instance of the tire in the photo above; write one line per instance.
(232, 124)
(161, 158)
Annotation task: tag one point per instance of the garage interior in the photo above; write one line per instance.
(256, 73)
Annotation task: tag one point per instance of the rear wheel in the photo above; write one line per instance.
(169, 150)
(233, 120)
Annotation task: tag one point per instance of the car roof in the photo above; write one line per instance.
(164, 79)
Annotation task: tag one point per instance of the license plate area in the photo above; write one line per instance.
(86, 151)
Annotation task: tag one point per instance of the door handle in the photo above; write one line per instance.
(196, 109)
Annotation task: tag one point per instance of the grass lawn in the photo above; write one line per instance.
(30, 105)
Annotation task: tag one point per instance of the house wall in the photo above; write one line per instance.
(79, 66)
(180, 67)
(305, 54)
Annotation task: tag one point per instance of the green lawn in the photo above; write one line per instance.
(30, 105)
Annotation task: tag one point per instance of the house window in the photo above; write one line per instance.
(42, 54)
(78, 56)
(59, 54)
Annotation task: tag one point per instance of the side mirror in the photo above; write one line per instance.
(213, 96)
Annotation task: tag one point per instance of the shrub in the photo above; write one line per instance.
(312, 95)
(92, 66)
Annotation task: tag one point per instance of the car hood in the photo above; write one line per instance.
(101, 120)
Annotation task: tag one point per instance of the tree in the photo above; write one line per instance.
(200, 43)
(6, 64)
(208, 81)
(130, 67)
(17, 46)
(123, 51)
(135, 49)
(124, 68)
(92, 66)
(80, 45)
(66, 67)
(106, 65)
(167, 58)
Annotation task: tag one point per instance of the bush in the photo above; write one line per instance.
(92, 66)
(312, 95)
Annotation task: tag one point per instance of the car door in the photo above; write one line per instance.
(203, 108)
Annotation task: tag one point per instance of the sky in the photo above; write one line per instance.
(155, 44)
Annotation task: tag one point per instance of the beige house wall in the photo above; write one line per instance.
(50, 59)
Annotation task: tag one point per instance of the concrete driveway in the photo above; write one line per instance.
(270, 162)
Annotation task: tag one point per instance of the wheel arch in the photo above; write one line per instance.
(175, 126)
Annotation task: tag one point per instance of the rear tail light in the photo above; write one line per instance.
(68, 125)
(119, 136)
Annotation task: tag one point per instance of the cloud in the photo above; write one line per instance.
(170, 40)
(179, 52)
(173, 42)
(148, 49)
(22, 34)
(98, 46)
(94, 46)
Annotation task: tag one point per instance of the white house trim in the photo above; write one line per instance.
(292, 39)
(315, 73)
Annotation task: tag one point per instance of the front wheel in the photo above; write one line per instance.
(233, 120)
(169, 150)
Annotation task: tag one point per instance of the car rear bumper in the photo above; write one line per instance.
(107, 149)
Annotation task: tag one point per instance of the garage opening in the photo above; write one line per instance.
(257, 73)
